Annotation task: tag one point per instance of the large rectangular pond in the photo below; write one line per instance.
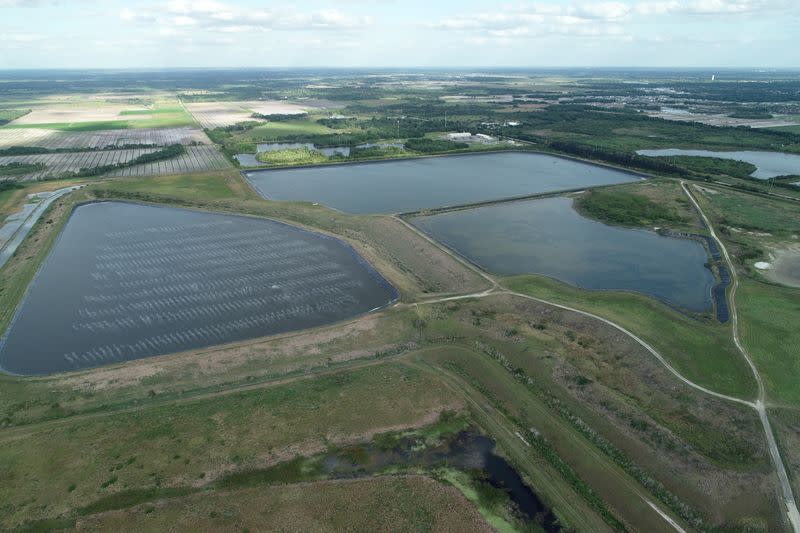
(768, 164)
(549, 237)
(126, 281)
(409, 185)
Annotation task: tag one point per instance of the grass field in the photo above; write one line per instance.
(751, 225)
(197, 441)
(768, 317)
(207, 186)
(164, 114)
(751, 212)
(396, 503)
(300, 156)
(701, 351)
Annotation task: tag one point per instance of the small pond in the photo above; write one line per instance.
(126, 281)
(769, 164)
(549, 237)
(412, 184)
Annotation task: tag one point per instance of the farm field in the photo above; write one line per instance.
(100, 139)
(102, 114)
(212, 115)
(196, 159)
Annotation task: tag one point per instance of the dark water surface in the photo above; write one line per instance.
(126, 281)
(408, 185)
(467, 451)
(549, 237)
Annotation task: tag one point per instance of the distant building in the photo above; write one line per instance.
(484, 137)
(511, 123)
(460, 136)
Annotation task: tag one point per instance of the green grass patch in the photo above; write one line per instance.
(212, 186)
(701, 350)
(77, 126)
(294, 471)
(464, 484)
(768, 318)
(298, 156)
(748, 211)
(7, 115)
(129, 498)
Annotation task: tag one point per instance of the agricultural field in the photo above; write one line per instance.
(85, 116)
(196, 159)
(55, 140)
(212, 115)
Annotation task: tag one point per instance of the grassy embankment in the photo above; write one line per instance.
(752, 226)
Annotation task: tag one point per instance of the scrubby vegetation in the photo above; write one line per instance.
(18, 169)
(626, 209)
(296, 156)
(430, 146)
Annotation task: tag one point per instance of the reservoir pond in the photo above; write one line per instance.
(769, 164)
(409, 185)
(126, 281)
(548, 237)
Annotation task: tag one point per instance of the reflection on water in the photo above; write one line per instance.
(408, 185)
(549, 237)
(127, 281)
(769, 164)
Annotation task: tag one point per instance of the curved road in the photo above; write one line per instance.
(758, 405)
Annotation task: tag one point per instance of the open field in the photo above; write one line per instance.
(701, 351)
(100, 139)
(617, 384)
(102, 115)
(756, 229)
(212, 115)
(196, 159)
(196, 442)
(768, 322)
(396, 503)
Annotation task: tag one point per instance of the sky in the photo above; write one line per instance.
(428, 33)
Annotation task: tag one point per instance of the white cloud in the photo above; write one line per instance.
(225, 18)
